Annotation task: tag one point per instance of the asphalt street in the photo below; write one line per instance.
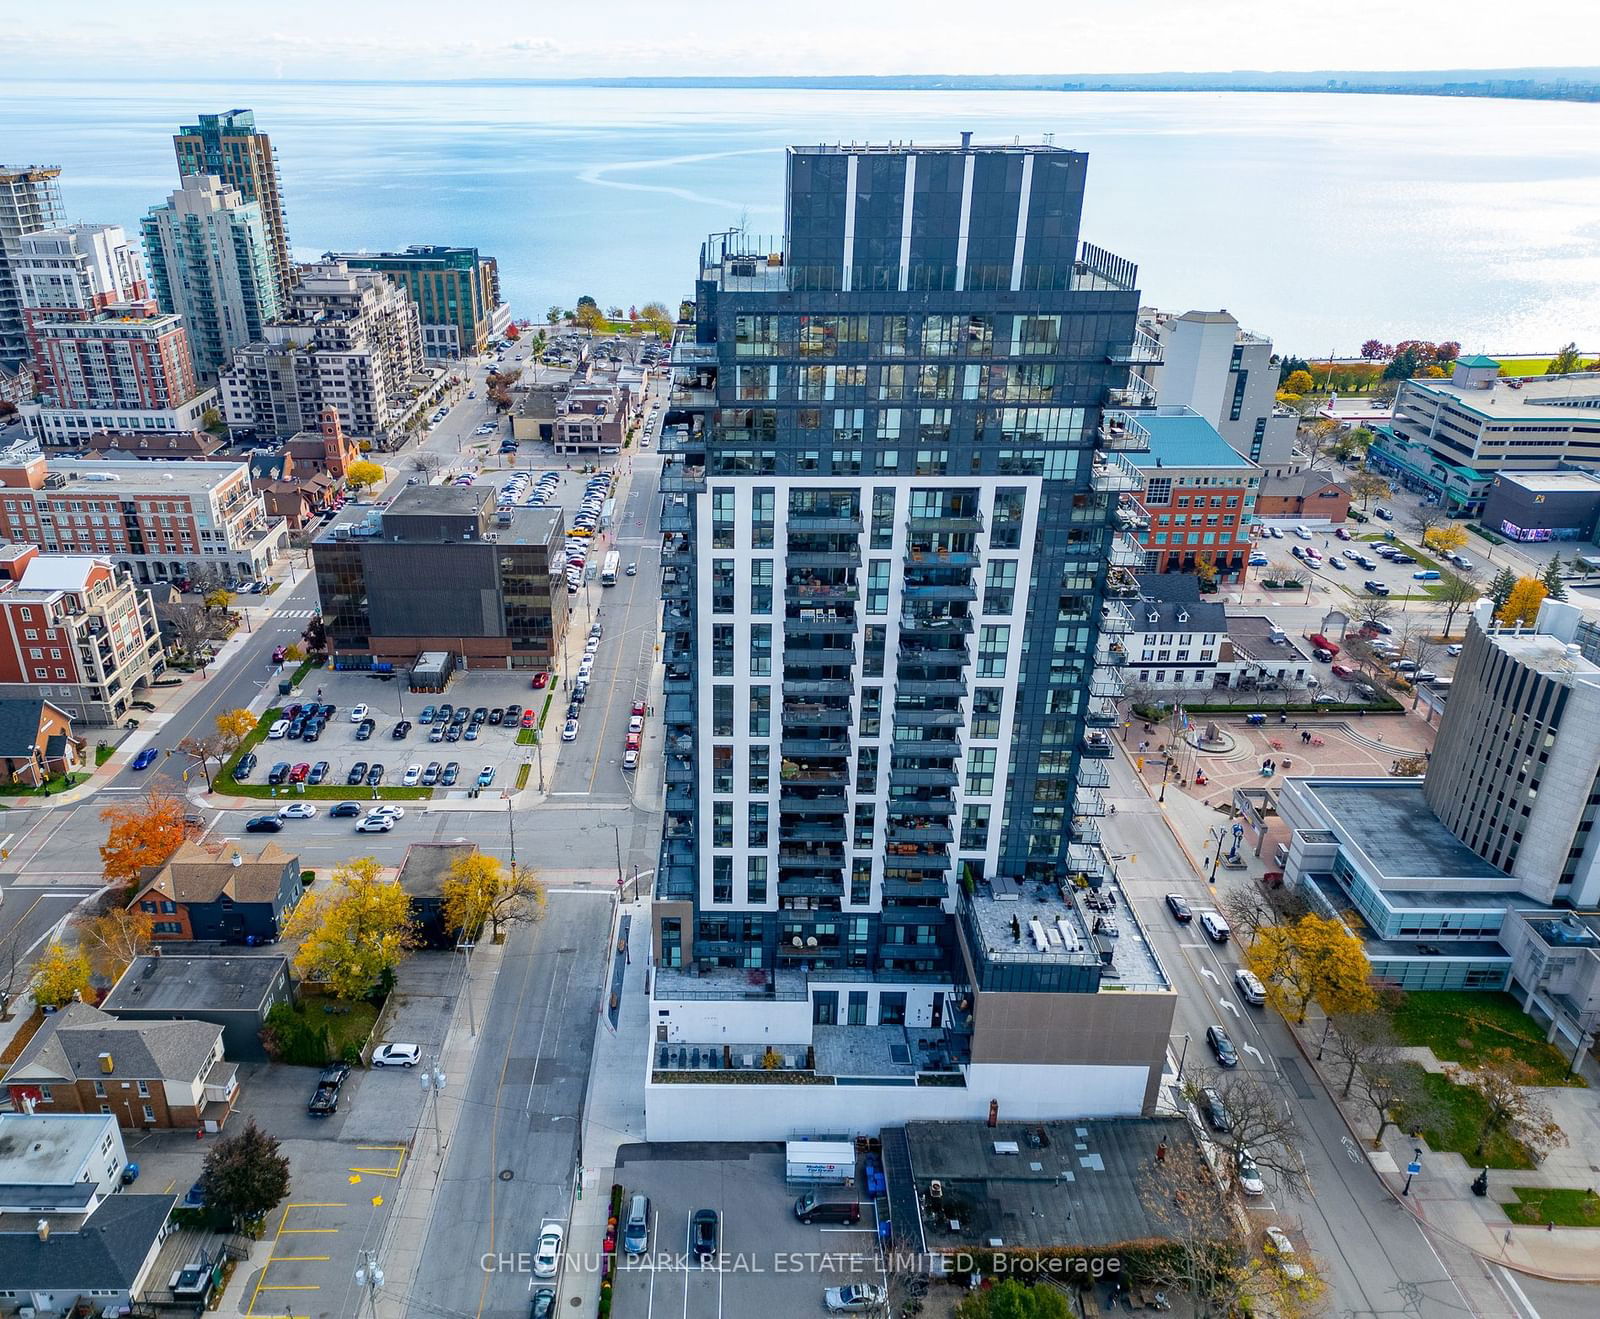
(515, 1160)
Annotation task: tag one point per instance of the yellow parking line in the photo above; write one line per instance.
(317, 1204)
(302, 1259)
(307, 1231)
(289, 1287)
(256, 1294)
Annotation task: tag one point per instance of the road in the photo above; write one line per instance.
(527, 1087)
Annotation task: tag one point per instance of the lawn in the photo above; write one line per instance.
(1565, 1206)
(103, 753)
(1465, 1028)
(1458, 1118)
(347, 1023)
(60, 783)
(1523, 366)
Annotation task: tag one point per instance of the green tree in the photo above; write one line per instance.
(588, 317)
(211, 420)
(1011, 1300)
(552, 314)
(1500, 588)
(245, 1178)
(1554, 587)
(587, 301)
(1565, 362)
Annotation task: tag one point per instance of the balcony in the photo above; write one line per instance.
(675, 515)
(819, 624)
(1110, 654)
(907, 856)
(816, 857)
(810, 714)
(1088, 802)
(911, 687)
(920, 776)
(802, 797)
(931, 807)
(1111, 474)
(944, 591)
(1126, 552)
(677, 587)
(818, 687)
(918, 558)
(1115, 617)
(1088, 859)
(926, 748)
(810, 886)
(678, 684)
(834, 558)
(811, 775)
(680, 770)
(945, 624)
(948, 521)
(1143, 348)
(810, 657)
(1121, 582)
(1121, 432)
(1101, 714)
(1132, 516)
(1097, 745)
(678, 478)
(812, 831)
(814, 746)
(825, 519)
(674, 441)
(1137, 393)
(821, 593)
(924, 835)
(1094, 774)
(1107, 683)
(921, 717)
(927, 889)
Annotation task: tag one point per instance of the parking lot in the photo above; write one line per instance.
(768, 1262)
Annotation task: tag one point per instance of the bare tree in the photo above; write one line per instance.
(191, 627)
(1357, 1040)
(1248, 908)
(427, 463)
(1258, 1124)
(13, 971)
(1385, 1088)
(203, 752)
(1456, 591)
(1367, 486)
(1373, 609)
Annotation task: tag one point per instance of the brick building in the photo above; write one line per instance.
(210, 892)
(159, 521)
(75, 631)
(1312, 494)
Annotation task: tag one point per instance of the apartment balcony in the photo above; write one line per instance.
(676, 442)
(930, 807)
(1101, 714)
(679, 478)
(926, 718)
(1113, 474)
(1122, 583)
(926, 748)
(809, 714)
(1115, 617)
(926, 835)
(679, 712)
(677, 586)
(803, 797)
(917, 558)
(791, 747)
(908, 856)
(1121, 432)
(820, 593)
(1110, 654)
(809, 657)
(1094, 774)
(677, 851)
(928, 889)
(1097, 745)
(675, 515)
(1088, 802)
(823, 687)
(823, 519)
(1131, 515)
(830, 558)
(810, 886)
(680, 770)
(1107, 683)
(675, 883)
(936, 624)
(942, 591)
(1126, 552)
(1137, 393)
(1143, 348)
(812, 831)
(955, 685)
(800, 776)
(934, 522)
(814, 856)
(1088, 859)
(692, 398)
(819, 625)
(1085, 830)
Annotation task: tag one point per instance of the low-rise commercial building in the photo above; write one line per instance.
(1448, 438)
(1179, 640)
(232, 994)
(157, 521)
(36, 742)
(169, 446)
(57, 1163)
(76, 631)
(1310, 495)
(1540, 506)
(442, 570)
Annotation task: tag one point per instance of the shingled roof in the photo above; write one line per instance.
(104, 1252)
(202, 873)
(69, 1046)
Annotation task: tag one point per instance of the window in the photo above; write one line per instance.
(756, 879)
(975, 827)
(149, 1113)
(722, 519)
(861, 880)
(762, 519)
(756, 830)
(722, 650)
(722, 879)
(994, 639)
(761, 712)
(876, 639)
(722, 586)
(856, 1008)
(760, 768)
(721, 769)
(882, 519)
(980, 771)
(672, 941)
(878, 586)
(986, 705)
(1009, 507)
(761, 586)
(871, 711)
(722, 824)
(865, 815)
(892, 1008)
(144, 1090)
(867, 770)
(99, 1089)
(722, 711)
(1000, 586)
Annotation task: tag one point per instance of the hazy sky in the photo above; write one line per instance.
(566, 38)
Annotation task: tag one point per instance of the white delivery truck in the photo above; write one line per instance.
(819, 1162)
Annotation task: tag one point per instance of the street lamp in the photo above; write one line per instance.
(1183, 1057)
(1216, 859)
(1412, 1169)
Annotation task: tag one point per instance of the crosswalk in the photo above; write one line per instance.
(295, 613)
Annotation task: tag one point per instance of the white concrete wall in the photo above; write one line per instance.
(781, 1112)
(719, 1021)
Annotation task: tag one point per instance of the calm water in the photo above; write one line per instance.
(1319, 220)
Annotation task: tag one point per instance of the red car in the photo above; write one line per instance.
(528, 720)
(638, 707)
(633, 742)
(299, 772)
(540, 680)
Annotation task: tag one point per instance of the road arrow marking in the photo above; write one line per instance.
(1209, 974)
(1253, 1052)
(1227, 1006)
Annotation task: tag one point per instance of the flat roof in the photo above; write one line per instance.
(1182, 438)
(46, 1149)
(1073, 1183)
(1551, 483)
(1545, 654)
(427, 865)
(178, 984)
(1390, 823)
(1572, 399)
(146, 478)
(1254, 633)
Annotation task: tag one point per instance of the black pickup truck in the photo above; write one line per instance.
(325, 1099)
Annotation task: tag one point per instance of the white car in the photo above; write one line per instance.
(357, 713)
(569, 732)
(547, 1258)
(1453, 649)
(1280, 1250)
(375, 824)
(857, 1298)
(388, 812)
(630, 760)
(298, 810)
(1249, 1175)
(412, 776)
(278, 729)
(396, 1055)
(636, 724)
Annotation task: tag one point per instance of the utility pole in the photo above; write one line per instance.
(617, 830)
(465, 948)
(432, 1080)
(370, 1276)
(511, 824)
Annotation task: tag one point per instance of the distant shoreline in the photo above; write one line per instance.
(1536, 84)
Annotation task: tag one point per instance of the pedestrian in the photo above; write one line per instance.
(1161, 1152)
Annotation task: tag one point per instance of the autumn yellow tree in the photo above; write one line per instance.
(62, 974)
(1313, 960)
(362, 474)
(480, 891)
(146, 834)
(1447, 539)
(1521, 608)
(355, 932)
(1367, 486)
(114, 938)
(233, 726)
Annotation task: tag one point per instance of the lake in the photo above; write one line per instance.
(1319, 220)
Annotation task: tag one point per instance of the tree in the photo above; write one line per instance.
(1500, 588)
(1298, 382)
(1521, 608)
(1010, 1299)
(203, 752)
(112, 939)
(589, 318)
(1447, 539)
(1426, 520)
(1502, 1081)
(479, 891)
(362, 474)
(656, 317)
(1317, 436)
(211, 421)
(1248, 909)
(355, 932)
(190, 625)
(1315, 959)
(427, 462)
(552, 314)
(1554, 587)
(1367, 486)
(1360, 1039)
(586, 301)
(62, 975)
(233, 726)
(1375, 350)
(1204, 1253)
(1386, 1087)
(12, 969)
(1565, 362)
(218, 597)
(1373, 609)
(1455, 592)
(146, 834)
(245, 1177)
(1260, 1124)
(512, 333)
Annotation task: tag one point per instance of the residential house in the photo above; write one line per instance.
(1312, 495)
(145, 1074)
(1178, 640)
(422, 876)
(57, 1163)
(36, 743)
(207, 891)
(175, 446)
(235, 993)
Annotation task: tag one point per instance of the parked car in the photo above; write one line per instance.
(396, 1055)
(319, 772)
(452, 770)
(412, 776)
(279, 730)
(1250, 1180)
(357, 774)
(245, 767)
(425, 716)
(810, 1208)
(1277, 1247)
(703, 1233)
(263, 824)
(279, 773)
(358, 713)
(401, 729)
(375, 774)
(569, 731)
(547, 1254)
(430, 776)
(856, 1298)
(636, 1228)
(1250, 988)
(486, 776)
